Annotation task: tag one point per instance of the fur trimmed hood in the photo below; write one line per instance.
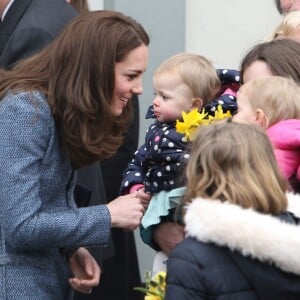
(266, 238)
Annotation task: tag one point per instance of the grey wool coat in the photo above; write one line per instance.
(39, 221)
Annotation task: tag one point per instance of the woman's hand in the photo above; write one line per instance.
(126, 211)
(86, 271)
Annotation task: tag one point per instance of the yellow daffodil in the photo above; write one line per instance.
(219, 114)
(152, 297)
(190, 123)
(193, 119)
(155, 286)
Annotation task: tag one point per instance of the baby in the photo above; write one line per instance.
(274, 104)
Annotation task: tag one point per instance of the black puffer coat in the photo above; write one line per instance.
(237, 254)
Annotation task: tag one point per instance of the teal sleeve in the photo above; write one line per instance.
(146, 236)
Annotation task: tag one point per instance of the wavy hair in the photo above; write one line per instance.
(76, 72)
(235, 162)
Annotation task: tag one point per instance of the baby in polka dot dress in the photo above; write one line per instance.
(181, 83)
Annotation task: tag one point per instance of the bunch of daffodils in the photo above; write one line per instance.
(193, 119)
(155, 287)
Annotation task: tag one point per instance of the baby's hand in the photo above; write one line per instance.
(144, 197)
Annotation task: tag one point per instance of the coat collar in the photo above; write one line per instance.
(12, 17)
(250, 233)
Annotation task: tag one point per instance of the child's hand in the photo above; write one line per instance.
(144, 197)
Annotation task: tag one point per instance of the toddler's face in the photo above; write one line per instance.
(172, 96)
(246, 112)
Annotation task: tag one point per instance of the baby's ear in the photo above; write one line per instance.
(261, 118)
(197, 103)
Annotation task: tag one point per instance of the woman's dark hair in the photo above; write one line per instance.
(282, 57)
(76, 72)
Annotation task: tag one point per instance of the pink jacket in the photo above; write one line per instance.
(285, 136)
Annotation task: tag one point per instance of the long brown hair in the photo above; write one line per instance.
(76, 72)
(236, 163)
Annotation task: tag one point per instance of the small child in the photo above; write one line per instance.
(182, 83)
(241, 242)
(274, 104)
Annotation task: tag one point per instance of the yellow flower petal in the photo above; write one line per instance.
(194, 118)
(152, 297)
(219, 114)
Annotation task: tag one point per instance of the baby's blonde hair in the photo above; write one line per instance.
(196, 71)
(287, 27)
(235, 162)
(278, 97)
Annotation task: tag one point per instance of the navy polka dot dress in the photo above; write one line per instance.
(158, 163)
(230, 80)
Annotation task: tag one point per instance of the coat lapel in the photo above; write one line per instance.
(11, 20)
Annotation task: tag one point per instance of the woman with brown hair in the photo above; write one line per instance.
(64, 108)
(121, 253)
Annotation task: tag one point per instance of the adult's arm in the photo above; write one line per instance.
(26, 129)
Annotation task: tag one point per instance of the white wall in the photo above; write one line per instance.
(224, 30)
(95, 4)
